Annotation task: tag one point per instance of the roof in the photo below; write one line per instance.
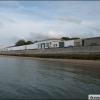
(10, 46)
(91, 38)
(49, 39)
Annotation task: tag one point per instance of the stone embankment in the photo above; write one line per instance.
(91, 52)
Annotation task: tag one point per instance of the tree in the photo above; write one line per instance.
(74, 38)
(65, 38)
(20, 42)
(29, 42)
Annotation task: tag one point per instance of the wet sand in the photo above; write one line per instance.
(75, 61)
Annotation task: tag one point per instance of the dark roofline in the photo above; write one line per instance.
(90, 38)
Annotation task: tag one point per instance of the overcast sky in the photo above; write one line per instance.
(35, 20)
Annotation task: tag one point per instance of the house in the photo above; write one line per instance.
(94, 41)
(48, 43)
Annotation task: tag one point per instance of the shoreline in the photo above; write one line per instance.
(73, 61)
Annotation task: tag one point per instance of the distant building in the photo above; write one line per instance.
(94, 41)
(56, 43)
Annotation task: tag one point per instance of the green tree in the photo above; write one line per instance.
(20, 42)
(65, 38)
(29, 42)
(74, 38)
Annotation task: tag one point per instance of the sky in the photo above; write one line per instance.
(37, 20)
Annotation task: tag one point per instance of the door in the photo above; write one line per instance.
(61, 44)
(82, 42)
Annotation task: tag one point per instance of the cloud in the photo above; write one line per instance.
(94, 12)
(9, 3)
(16, 38)
(10, 41)
(43, 35)
(83, 34)
(1, 24)
(33, 36)
(64, 4)
(35, 22)
(12, 21)
(96, 29)
(70, 19)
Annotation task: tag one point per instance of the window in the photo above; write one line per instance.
(38, 45)
(47, 44)
(55, 45)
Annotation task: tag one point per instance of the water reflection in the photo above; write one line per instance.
(32, 79)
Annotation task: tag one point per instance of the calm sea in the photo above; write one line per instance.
(33, 79)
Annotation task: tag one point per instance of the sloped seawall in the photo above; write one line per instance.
(91, 52)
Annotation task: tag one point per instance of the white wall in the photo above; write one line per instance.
(22, 47)
(17, 48)
(69, 43)
(14, 48)
(9, 49)
(32, 46)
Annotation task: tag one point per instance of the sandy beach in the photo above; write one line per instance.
(74, 61)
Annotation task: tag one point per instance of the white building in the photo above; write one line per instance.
(48, 43)
(43, 44)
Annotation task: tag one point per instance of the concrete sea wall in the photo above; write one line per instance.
(91, 52)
